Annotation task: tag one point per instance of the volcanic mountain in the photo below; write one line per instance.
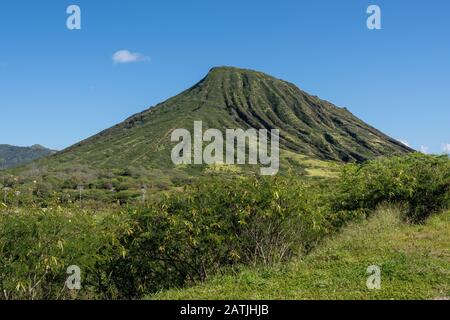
(236, 98)
(232, 98)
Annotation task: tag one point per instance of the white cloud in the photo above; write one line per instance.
(406, 143)
(424, 149)
(125, 56)
(446, 148)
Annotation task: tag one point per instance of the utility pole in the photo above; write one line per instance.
(143, 191)
(80, 189)
(2, 168)
(17, 195)
(5, 193)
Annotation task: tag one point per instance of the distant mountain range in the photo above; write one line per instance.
(11, 156)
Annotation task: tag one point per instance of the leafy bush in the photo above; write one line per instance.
(188, 236)
(38, 245)
(421, 182)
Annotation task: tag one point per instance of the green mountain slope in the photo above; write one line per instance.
(236, 98)
(312, 131)
(11, 156)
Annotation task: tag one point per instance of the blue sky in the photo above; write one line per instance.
(59, 86)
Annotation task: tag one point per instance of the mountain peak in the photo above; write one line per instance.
(223, 70)
(37, 147)
(229, 69)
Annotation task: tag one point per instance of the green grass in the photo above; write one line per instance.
(414, 262)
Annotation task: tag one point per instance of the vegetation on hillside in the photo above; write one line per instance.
(414, 261)
(217, 225)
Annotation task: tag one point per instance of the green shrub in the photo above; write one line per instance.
(38, 245)
(212, 225)
(421, 182)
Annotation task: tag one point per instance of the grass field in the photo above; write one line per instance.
(414, 262)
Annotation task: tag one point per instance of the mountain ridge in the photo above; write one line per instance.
(11, 156)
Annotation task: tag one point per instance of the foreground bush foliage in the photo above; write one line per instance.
(187, 237)
(421, 182)
(178, 240)
(38, 245)
(210, 227)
